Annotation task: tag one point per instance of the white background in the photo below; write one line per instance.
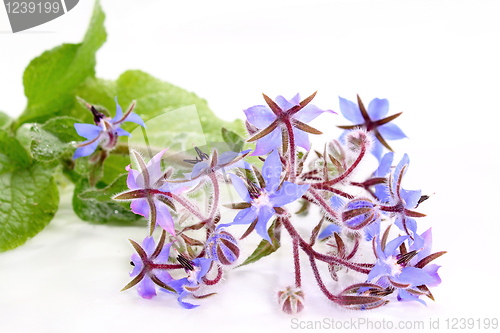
(437, 61)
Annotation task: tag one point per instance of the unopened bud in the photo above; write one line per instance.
(359, 213)
(222, 247)
(291, 300)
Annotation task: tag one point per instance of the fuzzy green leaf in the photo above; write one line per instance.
(29, 197)
(265, 248)
(53, 139)
(51, 79)
(93, 210)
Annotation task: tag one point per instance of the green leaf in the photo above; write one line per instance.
(53, 139)
(95, 211)
(105, 194)
(265, 248)
(29, 197)
(5, 120)
(235, 141)
(51, 79)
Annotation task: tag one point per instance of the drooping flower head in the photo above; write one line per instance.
(279, 115)
(106, 130)
(261, 202)
(196, 270)
(373, 120)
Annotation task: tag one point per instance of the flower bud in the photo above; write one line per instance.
(222, 247)
(291, 300)
(359, 213)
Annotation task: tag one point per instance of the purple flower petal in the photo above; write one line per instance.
(137, 265)
(391, 131)
(140, 207)
(268, 143)
(378, 108)
(372, 230)
(411, 224)
(135, 118)
(265, 214)
(246, 216)
(350, 111)
(385, 165)
(185, 305)
(271, 171)
(240, 187)
(85, 150)
(426, 236)
(146, 288)
(148, 244)
(198, 168)
(204, 264)
(301, 138)
(260, 116)
(154, 166)
(88, 131)
(133, 177)
(415, 276)
(163, 256)
(284, 104)
(410, 197)
(337, 202)
(378, 270)
(163, 218)
(432, 270)
(405, 161)
(403, 295)
(310, 112)
(288, 193)
(328, 231)
(227, 157)
(391, 247)
(119, 111)
(121, 132)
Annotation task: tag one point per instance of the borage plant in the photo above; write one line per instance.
(400, 263)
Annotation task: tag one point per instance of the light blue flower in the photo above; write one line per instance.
(185, 286)
(145, 262)
(105, 131)
(392, 269)
(262, 202)
(373, 120)
(272, 118)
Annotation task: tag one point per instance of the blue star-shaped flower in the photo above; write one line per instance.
(261, 202)
(282, 114)
(105, 131)
(392, 268)
(373, 121)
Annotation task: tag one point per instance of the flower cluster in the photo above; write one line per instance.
(195, 249)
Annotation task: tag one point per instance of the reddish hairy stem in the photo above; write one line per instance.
(214, 281)
(322, 202)
(311, 252)
(345, 174)
(291, 142)
(184, 202)
(296, 260)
